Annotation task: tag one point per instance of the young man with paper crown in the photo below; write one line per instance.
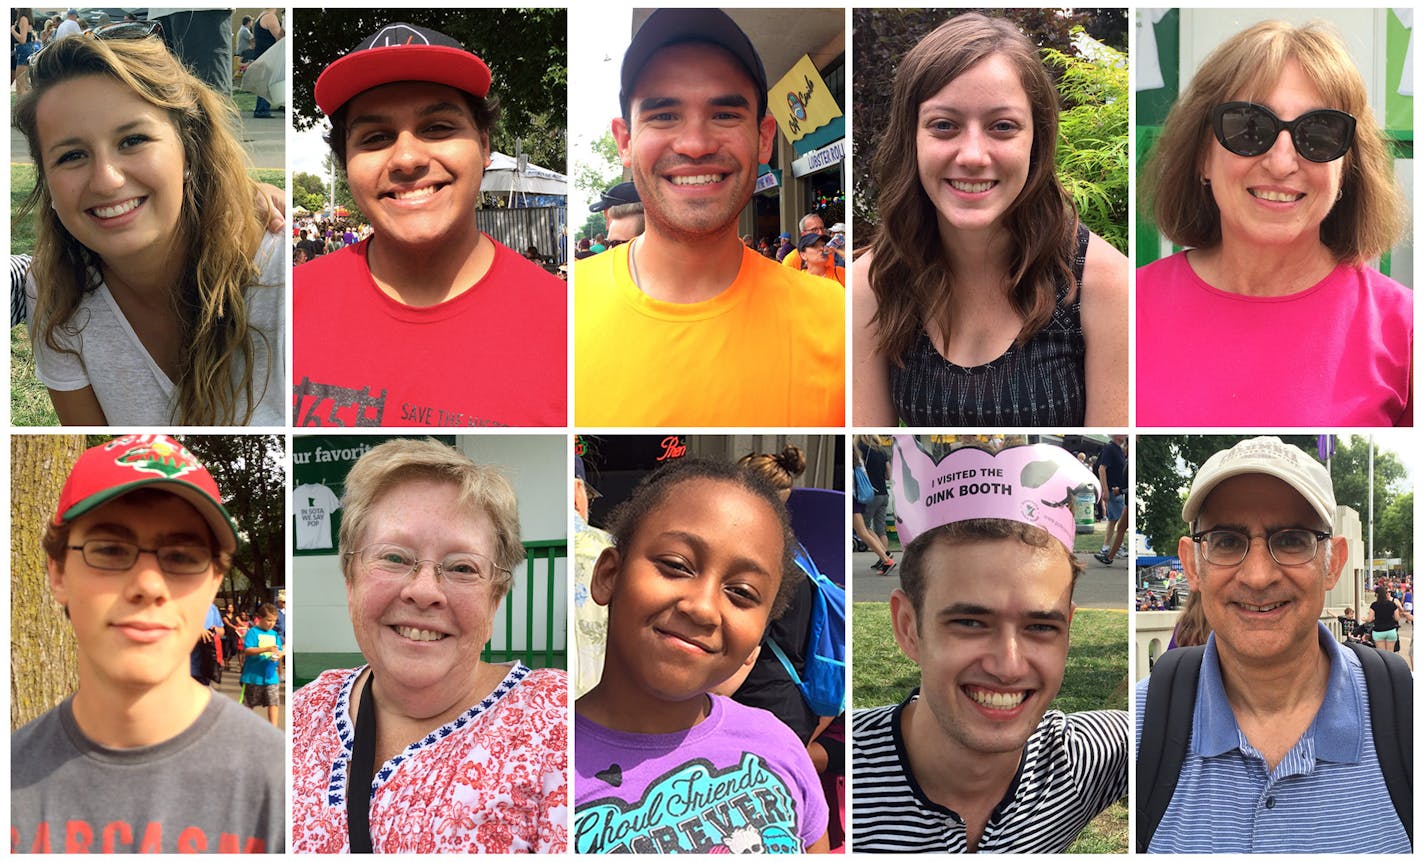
(973, 760)
(137, 548)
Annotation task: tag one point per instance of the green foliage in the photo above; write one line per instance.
(525, 49)
(304, 183)
(1394, 530)
(594, 225)
(343, 191)
(603, 171)
(1092, 139)
(248, 469)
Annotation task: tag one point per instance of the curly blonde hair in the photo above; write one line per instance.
(218, 227)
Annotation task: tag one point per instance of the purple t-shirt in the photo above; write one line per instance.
(739, 781)
(1338, 353)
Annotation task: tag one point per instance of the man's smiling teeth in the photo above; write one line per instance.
(966, 186)
(418, 634)
(1272, 607)
(415, 194)
(697, 179)
(997, 700)
(1277, 197)
(117, 210)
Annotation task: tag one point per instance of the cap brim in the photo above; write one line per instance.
(1196, 498)
(359, 71)
(216, 515)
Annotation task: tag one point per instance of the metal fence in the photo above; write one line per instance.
(522, 227)
(537, 592)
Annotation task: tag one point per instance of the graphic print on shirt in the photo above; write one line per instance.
(315, 504)
(744, 809)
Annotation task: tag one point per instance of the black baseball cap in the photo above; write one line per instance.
(400, 52)
(623, 193)
(677, 26)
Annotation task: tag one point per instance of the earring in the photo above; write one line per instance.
(1339, 195)
(1206, 182)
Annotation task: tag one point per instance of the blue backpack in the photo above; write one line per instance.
(824, 686)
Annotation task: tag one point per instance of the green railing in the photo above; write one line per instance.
(542, 555)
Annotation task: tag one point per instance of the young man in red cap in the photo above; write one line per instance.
(686, 326)
(429, 322)
(135, 553)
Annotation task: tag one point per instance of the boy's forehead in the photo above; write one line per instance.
(997, 574)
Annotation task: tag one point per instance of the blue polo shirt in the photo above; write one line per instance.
(1326, 796)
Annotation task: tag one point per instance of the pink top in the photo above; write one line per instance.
(1338, 353)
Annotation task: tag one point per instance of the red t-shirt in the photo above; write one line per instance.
(496, 355)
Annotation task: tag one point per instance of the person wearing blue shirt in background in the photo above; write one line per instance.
(262, 647)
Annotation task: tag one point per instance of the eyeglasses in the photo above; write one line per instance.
(1289, 546)
(463, 569)
(117, 555)
(1247, 129)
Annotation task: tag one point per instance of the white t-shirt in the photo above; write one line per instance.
(314, 504)
(130, 386)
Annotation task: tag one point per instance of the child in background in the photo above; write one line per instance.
(262, 647)
(702, 562)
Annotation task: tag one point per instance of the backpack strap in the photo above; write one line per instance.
(1166, 727)
(785, 661)
(1390, 688)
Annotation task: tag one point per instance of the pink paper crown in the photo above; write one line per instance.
(1036, 484)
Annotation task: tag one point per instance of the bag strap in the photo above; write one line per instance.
(363, 765)
(1166, 728)
(1390, 689)
(785, 662)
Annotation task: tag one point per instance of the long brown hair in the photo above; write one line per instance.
(218, 226)
(908, 273)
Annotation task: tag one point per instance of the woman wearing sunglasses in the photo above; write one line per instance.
(156, 294)
(983, 300)
(1273, 173)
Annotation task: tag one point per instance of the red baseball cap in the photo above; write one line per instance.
(110, 470)
(400, 52)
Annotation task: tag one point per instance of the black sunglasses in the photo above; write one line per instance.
(1248, 129)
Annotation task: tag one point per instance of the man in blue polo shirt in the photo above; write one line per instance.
(1281, 756)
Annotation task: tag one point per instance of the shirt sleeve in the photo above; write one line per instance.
(58, 370)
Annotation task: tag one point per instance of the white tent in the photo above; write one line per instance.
(503, 177)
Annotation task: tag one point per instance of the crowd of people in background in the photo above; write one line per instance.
(314, 237)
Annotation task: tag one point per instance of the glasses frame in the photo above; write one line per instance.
(1200, 538)
(1218, 115)
(138, 550)
(438, 567)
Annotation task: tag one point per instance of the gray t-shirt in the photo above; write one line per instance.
(216, 787)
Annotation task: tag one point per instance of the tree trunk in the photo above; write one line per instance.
(43, 663)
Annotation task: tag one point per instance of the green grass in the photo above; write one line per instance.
(29, 400)
(1094, 678)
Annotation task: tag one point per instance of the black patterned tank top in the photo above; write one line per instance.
(1039, 384)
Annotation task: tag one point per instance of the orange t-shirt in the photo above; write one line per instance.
(767, 351)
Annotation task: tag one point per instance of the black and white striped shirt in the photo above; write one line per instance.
(1073, 767)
